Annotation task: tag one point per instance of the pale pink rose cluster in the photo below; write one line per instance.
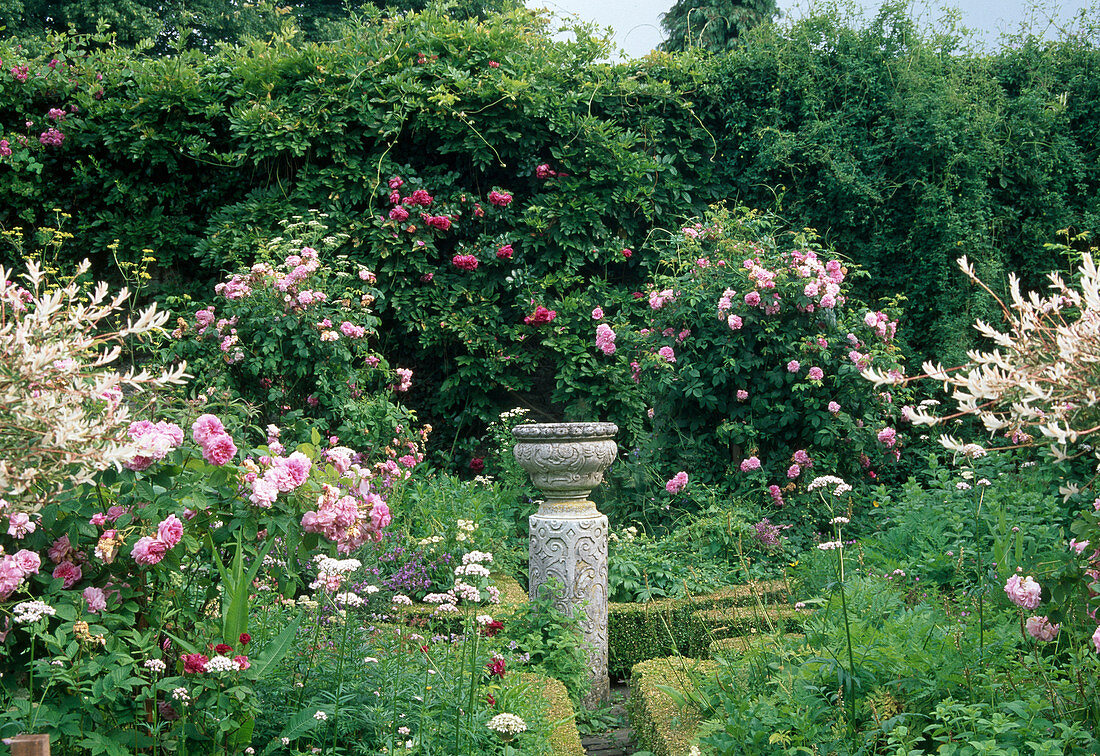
(1041, 628)
(217, 445)
(149, 550)
(152, 442)
(883, 327)
(14, 568)
(404, 379)
(605, 338)
(658, 299)
(678, 482)
(283, 474)
(1023, 592)
(348, 519)
(823, 280)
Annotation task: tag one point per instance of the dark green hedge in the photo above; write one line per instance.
(901, 148)
(636, 632)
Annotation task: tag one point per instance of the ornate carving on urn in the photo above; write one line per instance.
(568, 535)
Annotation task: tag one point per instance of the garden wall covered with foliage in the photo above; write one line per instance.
(549, 180)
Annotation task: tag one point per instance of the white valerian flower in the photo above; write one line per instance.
(27, 612)
(506, 726)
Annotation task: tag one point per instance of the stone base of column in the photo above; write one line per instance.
(572, 550)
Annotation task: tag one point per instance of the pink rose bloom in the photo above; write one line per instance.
(442, 222)
(667, 354)
(298, 466)
(380, 515)
(95, 599)
(28, 562)
(1096, 640)
(505, 252)
(815, 374)
(98, 519)
(399, 214)
(888, 437)
(206, 427)
(114, 512)
(734, 322)
(149, 551)
(11, 577)
(752, 299)
(677, 483)
(605, 338)
(597, 313)
(834, 408)
(60, 549)
(794, 471)
(242, 662)
(793, 366)
(194, 663)
(802, 458)
(464, 262)
(1023, 593)
(218, 450)
(20, 524)
(752, 463)
(264, 492)
(69, 573)
(500, 199)
(170, 530)
(1041, 628)
(742, 395)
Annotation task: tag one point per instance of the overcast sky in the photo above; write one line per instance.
(637, 29)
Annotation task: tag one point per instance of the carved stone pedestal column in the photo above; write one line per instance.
(568, 535)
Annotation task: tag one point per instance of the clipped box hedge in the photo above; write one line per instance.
(637, 632)
(660, 725)
(564, 737)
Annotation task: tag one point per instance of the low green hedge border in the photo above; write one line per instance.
(637, 632)
(565, 740)
(659, 724)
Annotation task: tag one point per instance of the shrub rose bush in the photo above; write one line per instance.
(295, 334)
(750, 351)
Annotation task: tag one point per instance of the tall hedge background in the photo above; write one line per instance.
(903, 148)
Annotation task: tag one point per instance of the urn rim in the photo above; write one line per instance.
(591, 431)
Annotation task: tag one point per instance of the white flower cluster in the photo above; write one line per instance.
(517, 412)
(155, 665)
(336, 566)
(467, 592)
(465, 529)
(27, 612)
(629, 534)
(400, 599)
(484, 619)
(222, 664)
(829, 481)
(430, 540)
(507, 724)
(348, 599)
(62, 417)
(472, 569)
(477, 557)
(181, 695)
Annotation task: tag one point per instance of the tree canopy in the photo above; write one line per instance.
(713, 25)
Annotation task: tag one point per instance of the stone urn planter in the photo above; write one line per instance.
(568, 534)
